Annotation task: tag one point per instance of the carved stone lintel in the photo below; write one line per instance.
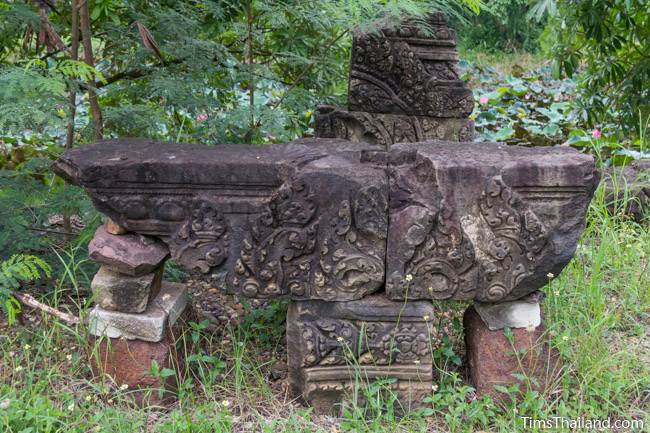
(485, 221)
(332, 345)
(386, 129)
(307, 220)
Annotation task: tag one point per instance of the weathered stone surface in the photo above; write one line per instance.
(522, 313)
(307, 219)
(387, 129)
(482, 221)
(403, 70)
(129, 362)
(119, 292)
(627, 189)
(332, 345)
(149, 325)
(114, 228)
(128, 254)
(493, 359)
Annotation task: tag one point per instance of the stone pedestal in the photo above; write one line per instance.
(135, 321)
(493, 359)
(129, 362)
(337, 348)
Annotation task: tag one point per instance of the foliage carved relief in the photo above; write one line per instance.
(408, 73)
(507, 238)
(275, 259)
(294, 250)
(194, 229)
(519, 237)
(445, 261)
(350, 260)
(201, 242)
(387, 129)
(339, 341)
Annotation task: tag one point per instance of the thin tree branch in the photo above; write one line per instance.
(86, 38)
(308, 68)
(30, 301)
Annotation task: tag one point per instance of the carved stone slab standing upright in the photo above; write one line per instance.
(334, 345)
(408, 70)
(404, 87)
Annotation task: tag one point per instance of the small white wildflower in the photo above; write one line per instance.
(409, 277)
(225, 403)
(12, 354)
(426, 317)
(68, 357)
(434, 387)
(4, 404)
(339, 339)
(71, 406)
(550, 275)
(416, 362)
(124, 386)
(89, 398)
(110, 401)
(55, 349)
(565, 338)
(18, 369)
(556, 292)
(27, 347)
(166, 297)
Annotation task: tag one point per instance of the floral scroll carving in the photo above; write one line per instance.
(519, 238)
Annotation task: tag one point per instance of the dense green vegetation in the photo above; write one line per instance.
(544, 72)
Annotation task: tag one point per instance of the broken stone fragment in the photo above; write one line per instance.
(114, 228)
(405, 70)
(482, 221)
(495, 359)
(332, 346)
(386, 129)
(128, 254)
(119, 292)
(149, 325)
(522, 313)
(129, 363)
(306, 219)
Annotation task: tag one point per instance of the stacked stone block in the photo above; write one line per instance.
(404, 87)
(135, 312)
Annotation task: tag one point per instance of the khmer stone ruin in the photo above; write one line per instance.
(362, 228)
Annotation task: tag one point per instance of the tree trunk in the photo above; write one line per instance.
(95, 110)
(72, 102)
(249, 62)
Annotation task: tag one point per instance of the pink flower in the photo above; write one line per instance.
(484, 100)
(201, 117)
(596, 133)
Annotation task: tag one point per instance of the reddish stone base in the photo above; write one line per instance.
(493, 359)
(128, 362)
